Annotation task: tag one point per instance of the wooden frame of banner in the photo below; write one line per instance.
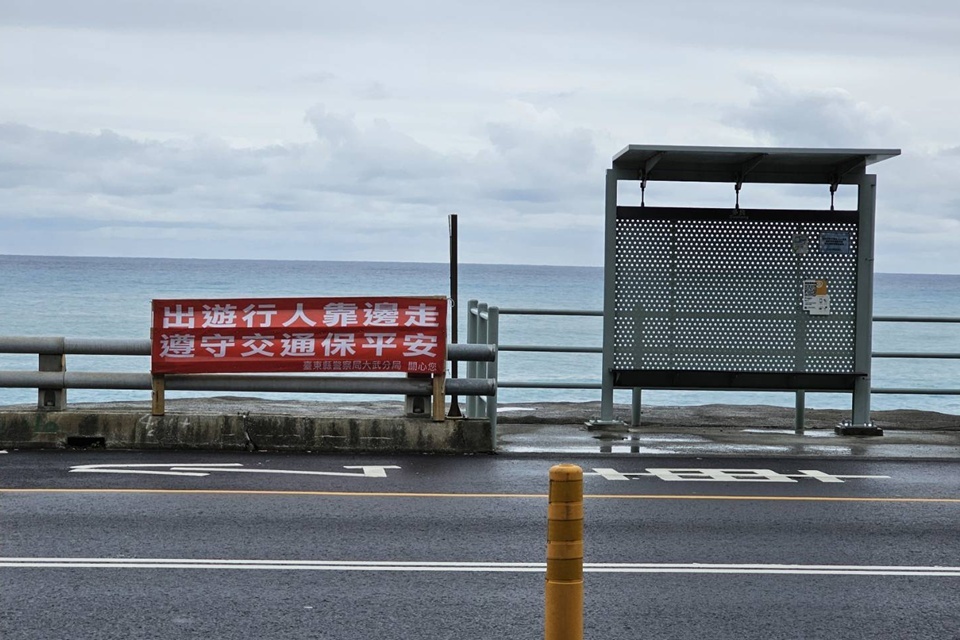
(157, 400)
(439, 413)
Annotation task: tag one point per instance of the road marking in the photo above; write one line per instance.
(481, 567)
(202, 470)
(723, 475)
(385, 494)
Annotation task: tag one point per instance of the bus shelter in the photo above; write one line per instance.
(735, 298)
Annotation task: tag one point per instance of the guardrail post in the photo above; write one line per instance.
(481, 402)
(471, 364)
(491, 368)
(415, 405)
(53, 399)
(563, 615)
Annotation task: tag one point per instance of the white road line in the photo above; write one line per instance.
(150, 469)
(201, 470)
(486, 567)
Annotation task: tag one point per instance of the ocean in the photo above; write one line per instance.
(110, 298)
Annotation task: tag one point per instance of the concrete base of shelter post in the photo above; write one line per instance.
(606, 421)
(861, 424)
(605, 425)
(611, 424)
(847, 429)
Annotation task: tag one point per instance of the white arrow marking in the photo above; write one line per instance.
(374, 471)
(148, 469)
(201, 470)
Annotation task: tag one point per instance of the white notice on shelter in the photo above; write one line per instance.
(835, 242)
(816, 300)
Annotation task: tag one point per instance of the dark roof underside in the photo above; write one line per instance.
(749, 164)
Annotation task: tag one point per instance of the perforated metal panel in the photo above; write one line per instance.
(717, 290)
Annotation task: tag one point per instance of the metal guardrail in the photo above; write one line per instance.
(483, 327)
(53, 376)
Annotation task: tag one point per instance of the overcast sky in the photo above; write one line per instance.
(307, 129)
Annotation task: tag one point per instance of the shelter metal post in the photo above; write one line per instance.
(636, 397)
(866, 209)
(609, 300)
(799, 411)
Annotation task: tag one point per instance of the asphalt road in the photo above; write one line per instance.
(452, 547)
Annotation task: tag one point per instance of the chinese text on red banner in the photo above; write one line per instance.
(399, 334)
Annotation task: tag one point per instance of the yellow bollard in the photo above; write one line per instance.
(564, 589)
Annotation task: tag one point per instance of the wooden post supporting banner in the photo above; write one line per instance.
(158, 388)
(439, 401)
(563, 616)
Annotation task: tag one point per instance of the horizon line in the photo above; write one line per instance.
(484, 264)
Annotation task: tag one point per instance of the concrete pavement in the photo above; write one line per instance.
(724, 430)
(524, 429)
(726, 441)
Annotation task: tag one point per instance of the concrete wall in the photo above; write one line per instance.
(131, 430)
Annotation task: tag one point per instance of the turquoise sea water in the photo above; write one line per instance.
(110, 297)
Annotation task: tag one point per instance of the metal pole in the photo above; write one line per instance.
(609, 293)
(635, 406)
(866, 206)
(454, 311)
(800, 409)
(563, 617)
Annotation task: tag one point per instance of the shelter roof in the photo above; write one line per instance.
(749, 164)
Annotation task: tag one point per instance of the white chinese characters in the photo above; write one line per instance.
(723, 475)
(403, 334)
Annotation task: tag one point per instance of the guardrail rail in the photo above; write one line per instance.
(53, 379)
(483, 327)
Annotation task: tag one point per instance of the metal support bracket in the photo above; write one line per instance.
(645, 173)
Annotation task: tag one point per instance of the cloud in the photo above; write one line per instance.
(355, 191)
(793, 117)
(373, 91)
(179, 128)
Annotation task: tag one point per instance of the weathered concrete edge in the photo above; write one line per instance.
(127, 430)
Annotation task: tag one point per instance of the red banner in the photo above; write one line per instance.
(348, 335)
